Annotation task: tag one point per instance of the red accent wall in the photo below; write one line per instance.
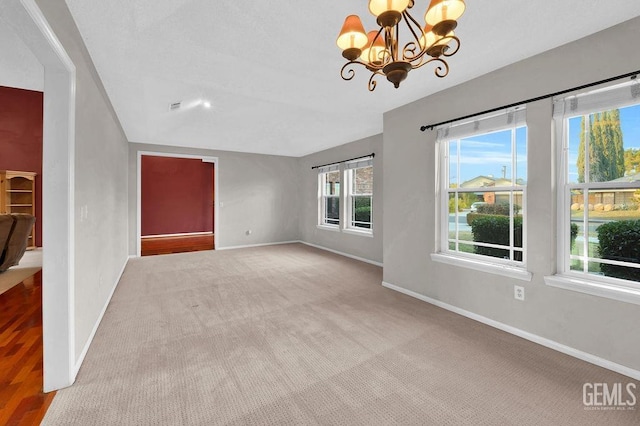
(177, 195)
(21, 138)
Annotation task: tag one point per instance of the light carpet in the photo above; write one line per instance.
(294, 335)
(30, 263)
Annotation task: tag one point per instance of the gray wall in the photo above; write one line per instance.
(357, 245)
(598, 326)
(100, 181)
(257, 192)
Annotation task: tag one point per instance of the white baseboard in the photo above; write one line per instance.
(97, 324)
(184, 234)
(361, 259)
(257, 245)
(601, 362)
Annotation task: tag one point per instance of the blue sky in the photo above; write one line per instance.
(487, 154)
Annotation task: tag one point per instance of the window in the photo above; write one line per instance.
(329, 195)
(356, 193)
(359, 197)
(482, 180)
(599, 184)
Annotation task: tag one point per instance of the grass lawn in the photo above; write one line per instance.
(612, 215)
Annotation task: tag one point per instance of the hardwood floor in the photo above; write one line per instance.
(176, 244)
(21, 399)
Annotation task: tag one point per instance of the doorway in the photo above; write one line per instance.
(177, 209)
(27, 21)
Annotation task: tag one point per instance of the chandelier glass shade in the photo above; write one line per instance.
(380, 50)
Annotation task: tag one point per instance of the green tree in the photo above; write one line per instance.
(632, 161)
(581, 151)
(606, 147)
(467, 198)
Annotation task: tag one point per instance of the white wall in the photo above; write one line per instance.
(257, 192)
(99, 186)
(356, 245)
(598, 326)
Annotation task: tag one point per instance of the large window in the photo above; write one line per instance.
(329, 195)
(483, 176)
(599, 180)
(359, 185)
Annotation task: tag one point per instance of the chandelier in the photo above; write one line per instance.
(379, 51)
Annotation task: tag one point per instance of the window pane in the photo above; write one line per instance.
(518, 224)
(480, 164)
(459, 217)
(574, 156)
(614, 229)
(332, 212)
(485, 160)
(612, 232)
(521, 156)
(332, 183)
(361, 211)
(453, 164)
(466, 248)
(496, 221)
(578, 245)
(605, 146)
(362, 181)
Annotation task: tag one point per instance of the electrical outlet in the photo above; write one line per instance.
(518, 292)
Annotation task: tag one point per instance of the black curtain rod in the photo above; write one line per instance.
(539, 98)
(373, 154)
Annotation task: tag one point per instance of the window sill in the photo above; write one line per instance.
(335, 228)
(483, 266)
(595, 288)
(363, 233)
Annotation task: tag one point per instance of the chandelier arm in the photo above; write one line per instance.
(350, 72)
(385, 58)
(409, 19)
(408, 53)
(418, 61)
(441, 70)
(390, 43)
(372, 83)
(451, 52)
(409, 50)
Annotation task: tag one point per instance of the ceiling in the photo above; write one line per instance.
(271, 71)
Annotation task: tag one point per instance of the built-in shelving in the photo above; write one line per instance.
(17, 195)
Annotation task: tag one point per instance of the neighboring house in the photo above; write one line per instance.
(614, 198)
(492, 197)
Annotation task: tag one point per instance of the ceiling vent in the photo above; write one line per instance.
(175, 105)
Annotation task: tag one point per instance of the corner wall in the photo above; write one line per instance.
(598, 326)
(99, 185)
(356, 245)
(256, 192)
